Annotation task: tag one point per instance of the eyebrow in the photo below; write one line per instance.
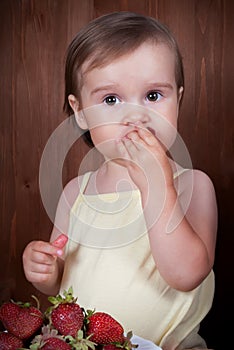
(157, 85)
(104, 88)
(153, 86)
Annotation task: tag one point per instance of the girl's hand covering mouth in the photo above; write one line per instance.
(134, 127)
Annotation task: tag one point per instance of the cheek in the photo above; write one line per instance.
(166, 133)
(104, 139)
(104, 135)
(165, 125)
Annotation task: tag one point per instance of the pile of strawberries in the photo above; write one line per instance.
(65, 325)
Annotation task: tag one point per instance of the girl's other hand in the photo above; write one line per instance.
(40, 259)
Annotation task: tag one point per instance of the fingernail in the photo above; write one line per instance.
(60, 252)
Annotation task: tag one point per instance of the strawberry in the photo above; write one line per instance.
(125, 345)
(55, 344)
(65, 314)
(80, 342)
(110, 347)
(104, 329)
(67, 318)
(21, 320)
(49, 340)
(9, 342)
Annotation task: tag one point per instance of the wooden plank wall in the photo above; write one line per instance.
(34, 35)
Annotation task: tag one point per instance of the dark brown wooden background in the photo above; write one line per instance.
(34, 35)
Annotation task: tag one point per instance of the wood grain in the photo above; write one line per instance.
(33, 38)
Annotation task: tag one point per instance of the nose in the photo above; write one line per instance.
(135, 115)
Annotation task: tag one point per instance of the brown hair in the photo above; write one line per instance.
(109, 37)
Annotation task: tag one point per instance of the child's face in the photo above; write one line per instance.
(129, 90)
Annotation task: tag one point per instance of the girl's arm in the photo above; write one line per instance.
(43, 262)
(182, 243)
(185, 255)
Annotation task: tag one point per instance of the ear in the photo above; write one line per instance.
(79, 115)
(180, 94)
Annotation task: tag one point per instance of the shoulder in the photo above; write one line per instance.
(195, 180)
(69, 194)
(198, 200)
(202, 185)
(196, 187)
(66, 201)
(197, 196)
(72, 190)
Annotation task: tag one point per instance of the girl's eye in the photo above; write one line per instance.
(153, 96)
(111, 100)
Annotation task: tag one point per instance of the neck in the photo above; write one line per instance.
(113, 177)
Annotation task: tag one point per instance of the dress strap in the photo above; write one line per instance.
(179, 172)
(84, 182)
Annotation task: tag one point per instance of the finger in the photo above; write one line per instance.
(38, 277)
(43, 258)
(147, 136)
(136, 139)
(122, 150)
(133, 135)
(43, 268)
(132, 148)
(46, 248)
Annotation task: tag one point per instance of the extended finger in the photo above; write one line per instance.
(122, 150)
(139, 143)
(134, 137)
(132, 147)
(147, 136)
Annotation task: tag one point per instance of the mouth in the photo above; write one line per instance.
(133, 127)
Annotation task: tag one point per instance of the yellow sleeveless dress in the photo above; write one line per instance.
(110, 267)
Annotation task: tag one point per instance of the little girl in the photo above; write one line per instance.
(140, 236)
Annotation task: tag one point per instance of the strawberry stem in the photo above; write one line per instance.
(37, 301)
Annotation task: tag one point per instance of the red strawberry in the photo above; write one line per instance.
(21, 320)
(67, 318)
(104, 329)
(66, 315)
(80, 342)
(110, 347)
(125, 345)
(55, 344)
(10, 342)
(49, 340)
